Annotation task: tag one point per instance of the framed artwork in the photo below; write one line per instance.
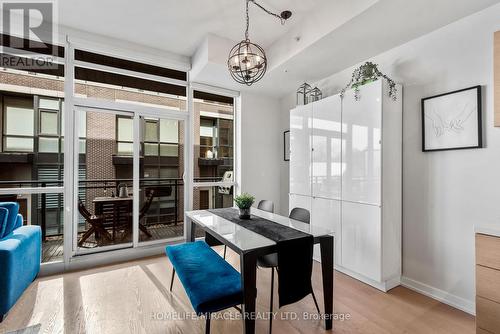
(286, 145)
(452, 121)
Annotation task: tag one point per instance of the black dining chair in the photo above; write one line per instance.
(271, 260)
(264, 205)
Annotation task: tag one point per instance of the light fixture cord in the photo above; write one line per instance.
(282, 20)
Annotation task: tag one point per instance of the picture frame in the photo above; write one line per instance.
(286, 145)
(453, 120)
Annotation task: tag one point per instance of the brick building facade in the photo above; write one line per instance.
(101, 135)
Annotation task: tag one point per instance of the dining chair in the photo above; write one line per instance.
(144, 210)
(264, 205)
(150, 194)
(271, 260)
(96, 225)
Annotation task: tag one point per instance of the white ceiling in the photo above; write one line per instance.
(383, 26)
(335, 34)
(179, 26)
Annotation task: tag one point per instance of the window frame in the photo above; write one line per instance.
(216, 145)
(145, 142)
(38, 124)
(212, 147)
(117, 135)
(5, 136)
(73, 101)
(159, 142)
(219, 145)
(236, 98)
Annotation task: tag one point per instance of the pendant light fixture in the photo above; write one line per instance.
(247, 62)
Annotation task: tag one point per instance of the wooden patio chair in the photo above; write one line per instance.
(96, 225)
(145, 208)
(150, 194)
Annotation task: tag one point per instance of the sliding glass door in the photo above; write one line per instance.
(128, 185)
(161, 195)
(104, 187)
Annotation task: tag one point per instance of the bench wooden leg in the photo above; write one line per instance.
(207, 324)
(1, 317)
(172, 280)
(225, 249)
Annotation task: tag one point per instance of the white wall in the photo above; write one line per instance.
(286, 104)
(445, 193)
(261, 147)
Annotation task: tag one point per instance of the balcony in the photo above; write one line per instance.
(161, 210)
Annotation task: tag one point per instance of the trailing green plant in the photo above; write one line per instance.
(366, 73)
(244, 201)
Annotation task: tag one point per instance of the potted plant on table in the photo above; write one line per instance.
(244, 203)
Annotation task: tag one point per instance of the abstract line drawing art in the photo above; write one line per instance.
(452, 121)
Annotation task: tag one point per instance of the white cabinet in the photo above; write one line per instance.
(326, 213)
(361, 153)
(327, 142)
(346, 159)
(361, 239)
(300, 150)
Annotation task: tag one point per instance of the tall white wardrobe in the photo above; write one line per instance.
(346, 169)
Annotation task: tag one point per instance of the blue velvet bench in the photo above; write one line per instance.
(20, 255)
(210, 282)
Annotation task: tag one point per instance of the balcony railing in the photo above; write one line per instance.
(167, 209)
(38, 205)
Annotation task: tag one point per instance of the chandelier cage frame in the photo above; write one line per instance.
(247, 61)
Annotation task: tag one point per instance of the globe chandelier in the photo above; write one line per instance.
(247, 62)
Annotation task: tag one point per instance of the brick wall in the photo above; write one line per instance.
(101, 128)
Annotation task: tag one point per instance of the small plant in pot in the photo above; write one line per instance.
(244, 203)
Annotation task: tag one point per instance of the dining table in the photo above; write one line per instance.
(250, 245)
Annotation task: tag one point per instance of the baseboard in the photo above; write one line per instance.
(382, 286)
(391, 283)
(440, 295)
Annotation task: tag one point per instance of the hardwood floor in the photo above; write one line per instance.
(133, 297)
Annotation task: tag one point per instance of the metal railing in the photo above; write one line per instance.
(95, 184)
(39, 201)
